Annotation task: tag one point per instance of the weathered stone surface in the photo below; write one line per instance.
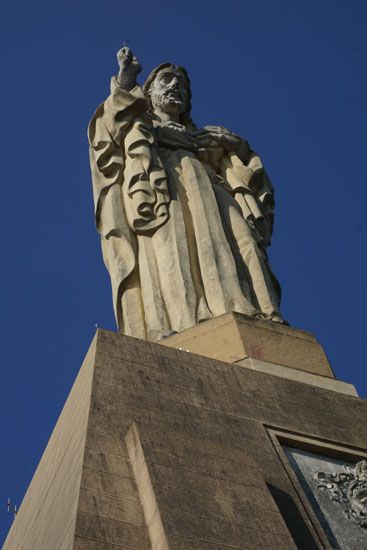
(185, 213)
(46, 518)
(299, 375)
(105, 530)
(175, 451)
(337, 489)
(235, 338)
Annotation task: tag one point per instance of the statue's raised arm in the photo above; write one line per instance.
(185, 214)
(129, 68)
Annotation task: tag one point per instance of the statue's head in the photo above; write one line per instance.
(168, 88)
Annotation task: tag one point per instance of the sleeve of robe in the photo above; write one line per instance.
(106, 132)
(253, 191)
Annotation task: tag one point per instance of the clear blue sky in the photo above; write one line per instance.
(289, 75)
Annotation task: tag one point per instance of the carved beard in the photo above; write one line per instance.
(166, 103)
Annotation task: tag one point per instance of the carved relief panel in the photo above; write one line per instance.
(337, 491)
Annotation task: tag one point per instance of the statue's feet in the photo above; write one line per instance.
(278, 319)
(275, 317)
(167, 334)
(257, 315)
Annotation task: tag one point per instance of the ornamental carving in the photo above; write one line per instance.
(349, 488)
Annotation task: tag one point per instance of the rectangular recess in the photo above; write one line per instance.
(288, 445)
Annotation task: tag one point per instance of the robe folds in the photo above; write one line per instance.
(184, 234)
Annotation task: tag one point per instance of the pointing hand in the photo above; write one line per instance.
(129, 68)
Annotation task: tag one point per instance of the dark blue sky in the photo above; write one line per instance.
(289, 75)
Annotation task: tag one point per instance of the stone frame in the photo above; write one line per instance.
(281, 437)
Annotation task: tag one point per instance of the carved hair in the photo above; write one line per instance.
(185, 117)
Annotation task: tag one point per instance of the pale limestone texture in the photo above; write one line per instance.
(267, 347)
(185, 214)
(234, 337)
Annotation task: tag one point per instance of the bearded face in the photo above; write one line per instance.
(168, 91)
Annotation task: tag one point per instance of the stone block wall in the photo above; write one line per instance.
(184, 452)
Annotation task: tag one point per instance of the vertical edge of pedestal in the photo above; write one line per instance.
(110, 513)
(47, 515)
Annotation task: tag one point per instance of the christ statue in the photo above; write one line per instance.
(185, 214)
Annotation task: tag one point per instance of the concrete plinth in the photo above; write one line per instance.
(233, 337)
(261, 345)
(158, 448)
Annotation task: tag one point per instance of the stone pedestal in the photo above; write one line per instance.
(159, 448)
(261, 345)
(233, 337)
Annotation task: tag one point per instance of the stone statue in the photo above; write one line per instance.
(185, 214)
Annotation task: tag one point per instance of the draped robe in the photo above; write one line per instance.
(184, 234)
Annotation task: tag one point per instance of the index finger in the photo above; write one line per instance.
(126, 51)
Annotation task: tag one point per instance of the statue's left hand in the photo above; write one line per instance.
(218, 136)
